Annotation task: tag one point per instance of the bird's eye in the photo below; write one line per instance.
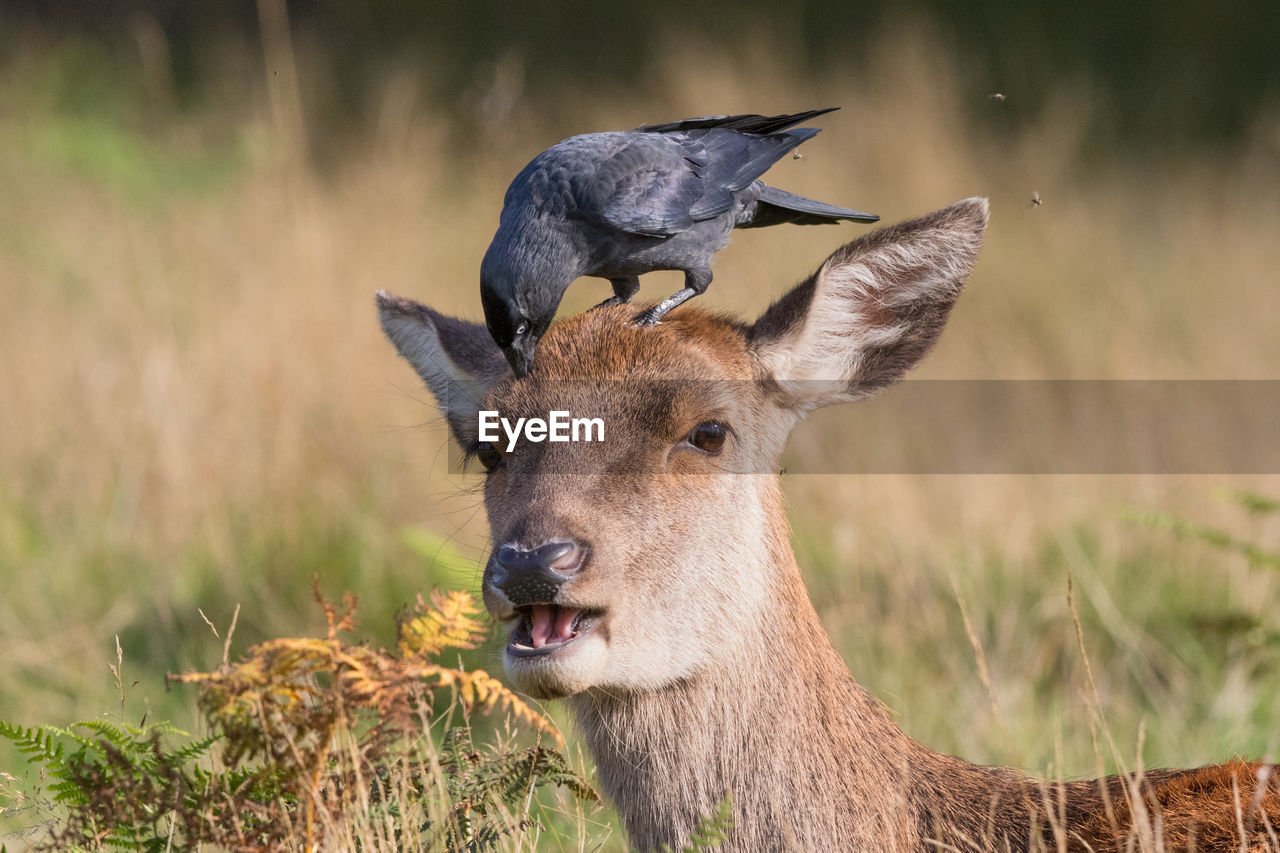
(708, 437)
(489, 455)
(522, 328)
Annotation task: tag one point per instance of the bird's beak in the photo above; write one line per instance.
(520, 356)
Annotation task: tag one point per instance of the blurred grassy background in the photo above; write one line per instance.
(197, 408)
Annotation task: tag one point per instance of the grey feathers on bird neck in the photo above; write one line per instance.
(531, 261)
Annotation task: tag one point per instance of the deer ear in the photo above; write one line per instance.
(457, 360)
(871, 312)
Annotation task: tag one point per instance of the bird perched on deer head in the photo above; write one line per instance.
(617, 205)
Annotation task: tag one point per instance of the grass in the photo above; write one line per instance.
(199, 410)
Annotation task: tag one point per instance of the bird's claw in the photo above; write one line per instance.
(648, 317)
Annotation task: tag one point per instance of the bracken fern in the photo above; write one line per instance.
(322, 744)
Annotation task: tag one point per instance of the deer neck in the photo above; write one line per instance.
(777, 722)
(805, 752)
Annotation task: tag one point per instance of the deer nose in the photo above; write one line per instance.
(532, 575)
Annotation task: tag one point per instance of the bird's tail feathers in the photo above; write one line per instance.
(759, 153)
(775, 207)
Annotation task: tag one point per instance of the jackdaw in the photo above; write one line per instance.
(616, 205)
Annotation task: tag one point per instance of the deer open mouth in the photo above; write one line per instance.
(543, 629)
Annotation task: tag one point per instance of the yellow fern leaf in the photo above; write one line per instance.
(286, 687)
(452, 621)
(492, 692)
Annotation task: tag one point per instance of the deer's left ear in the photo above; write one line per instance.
(872, 311)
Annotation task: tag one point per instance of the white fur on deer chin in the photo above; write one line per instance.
(572, 666)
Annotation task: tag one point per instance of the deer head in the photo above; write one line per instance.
(661, 552)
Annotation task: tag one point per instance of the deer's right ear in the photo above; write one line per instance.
(872, 311)
(457, 360)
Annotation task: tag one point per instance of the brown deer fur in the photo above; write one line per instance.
(709, 673)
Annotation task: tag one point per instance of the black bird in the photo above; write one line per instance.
(616, 205)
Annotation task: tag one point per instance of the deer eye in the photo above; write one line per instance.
(489, 455)
(708, 437)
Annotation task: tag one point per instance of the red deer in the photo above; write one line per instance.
(649, 579)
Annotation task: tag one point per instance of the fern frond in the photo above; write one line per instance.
(511, 776)
(111, 733)
(195, 749)
(68, 793)
(37, 742)
(477, 690)
(452, 621)
(83, 743)
(338, 622)
(163, 728)
(713, 830)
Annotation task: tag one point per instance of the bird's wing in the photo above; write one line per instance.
(659, 184)
(647, 186)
